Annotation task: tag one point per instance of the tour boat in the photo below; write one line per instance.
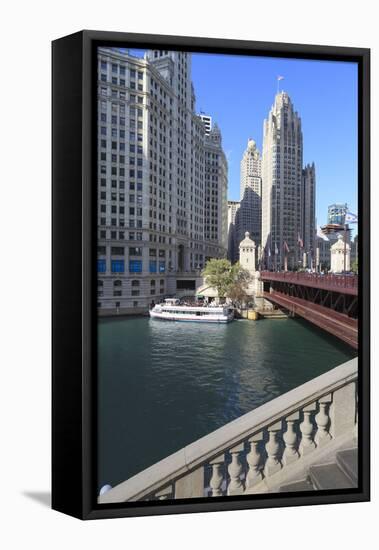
(171, 310)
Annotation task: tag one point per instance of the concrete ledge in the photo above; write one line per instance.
(123, 312)
(151, 479)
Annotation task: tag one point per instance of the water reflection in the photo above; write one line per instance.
(163, 385)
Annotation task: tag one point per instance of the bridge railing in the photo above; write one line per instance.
(250, 452)
(329, 280)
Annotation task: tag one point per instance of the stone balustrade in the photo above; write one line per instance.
(258, 450)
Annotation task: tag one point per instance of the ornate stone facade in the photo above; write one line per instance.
(288, 196)
(338, 251)
(247, 260)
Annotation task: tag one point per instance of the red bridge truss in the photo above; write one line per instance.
(328, 301)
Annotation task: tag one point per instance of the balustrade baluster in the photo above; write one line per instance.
(254, 460)
(307, 444)
(323, 421)
(217, 475)
(290, 439)
(273, 463)
(235, 486)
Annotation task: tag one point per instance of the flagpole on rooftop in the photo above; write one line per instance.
(344, 249)
(278, 78)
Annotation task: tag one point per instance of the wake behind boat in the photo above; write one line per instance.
(171, 310)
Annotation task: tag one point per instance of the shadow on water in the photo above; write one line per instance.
(163, 385)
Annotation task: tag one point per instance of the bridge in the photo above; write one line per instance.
(328, 301)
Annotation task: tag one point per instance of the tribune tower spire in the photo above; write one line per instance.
(282, 161)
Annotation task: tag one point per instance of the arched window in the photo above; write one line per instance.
(135, 282)
(100, 282)
(117, 283)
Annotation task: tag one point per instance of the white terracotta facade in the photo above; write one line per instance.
(153, 157)
(338, 252)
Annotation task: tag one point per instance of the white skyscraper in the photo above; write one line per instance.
(153, 153)
(249, 216)
(282, 161)
(216, 196)
(207, 121)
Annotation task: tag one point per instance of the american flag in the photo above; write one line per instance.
(300, 241)
(286, 247)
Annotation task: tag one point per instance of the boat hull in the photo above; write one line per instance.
(165, 316)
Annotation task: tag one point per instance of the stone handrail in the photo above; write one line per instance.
(240, 455)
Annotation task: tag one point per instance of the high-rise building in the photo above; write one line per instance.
(151, 180)
(282, 185)
(233, 243)
(336, 213)
(308, 231)
(216, 196)
(207, 121)
(250, 212)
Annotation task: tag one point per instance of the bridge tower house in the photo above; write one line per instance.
(247, 253)
(338, 251)
(248, 261)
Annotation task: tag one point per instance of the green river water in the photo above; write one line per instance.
(163, 384)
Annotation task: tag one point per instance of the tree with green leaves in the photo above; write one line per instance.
(229, 280)
(354, 266)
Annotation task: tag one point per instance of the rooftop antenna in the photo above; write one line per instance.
(278, 78)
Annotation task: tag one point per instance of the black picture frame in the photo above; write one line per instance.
(74, 443)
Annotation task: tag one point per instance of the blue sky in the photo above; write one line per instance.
(238, 92)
